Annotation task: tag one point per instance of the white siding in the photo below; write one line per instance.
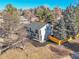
(45, 31)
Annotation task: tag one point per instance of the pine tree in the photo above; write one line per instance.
(59, 29)
(69, 18)
(77, 16)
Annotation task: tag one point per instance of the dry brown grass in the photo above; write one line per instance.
(30, 52)
(13, 54)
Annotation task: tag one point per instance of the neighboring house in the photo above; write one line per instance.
(23, 20)
(33, 19)
(30, 16)
(39, 31)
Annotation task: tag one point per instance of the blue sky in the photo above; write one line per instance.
(26, 4)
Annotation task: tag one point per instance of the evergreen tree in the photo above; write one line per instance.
(59, 29)
(76, 11)
(69, 18)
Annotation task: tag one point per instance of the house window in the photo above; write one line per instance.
(36, 31)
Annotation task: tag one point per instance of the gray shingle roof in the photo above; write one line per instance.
(36, 25)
